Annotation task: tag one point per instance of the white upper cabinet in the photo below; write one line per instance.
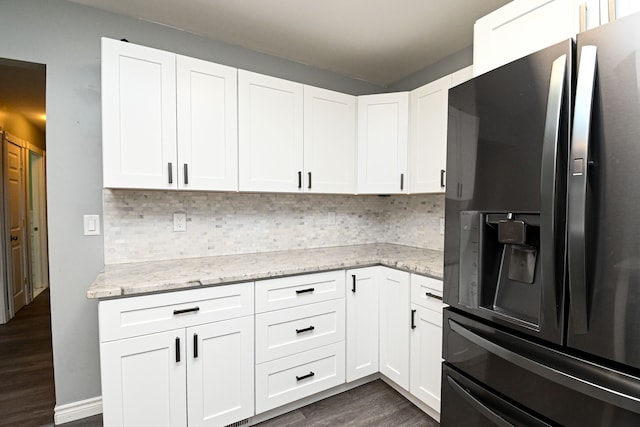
(329, 141)
(207, 125)
(138, 116)
(428, 137)
(616, 9)
(270, 133)
(522, 27)
(168, 121)
(383, 125)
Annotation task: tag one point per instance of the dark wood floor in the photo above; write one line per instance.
(373, 404)
(26, 367)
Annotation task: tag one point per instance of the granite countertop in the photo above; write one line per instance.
(154, 276)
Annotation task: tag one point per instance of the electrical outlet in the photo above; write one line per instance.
(179, 221)
(442, 226)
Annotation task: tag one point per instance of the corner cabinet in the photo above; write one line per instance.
(362, 295)
(168, 121)
(270, 133)
(395, 321)
(383, 127)
(178, 359)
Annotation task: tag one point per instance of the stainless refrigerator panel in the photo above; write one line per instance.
(556, 387)
(605, 305)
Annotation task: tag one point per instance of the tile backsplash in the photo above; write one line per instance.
(138, 225)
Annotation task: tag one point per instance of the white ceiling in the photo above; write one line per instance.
(379, 41)
(22, 90)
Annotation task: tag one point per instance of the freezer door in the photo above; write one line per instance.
(604, 195)
(559, 388)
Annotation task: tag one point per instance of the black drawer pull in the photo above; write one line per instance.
(170, 171)
(309, 180)
(401, 181)
(413, 319)
(309, 375)
(353, 286)
(186, 310)
(304, 291)
(177, 349)
(186, 173)
(195, 346)
(310, 328)
(299, 179)
(430, 295)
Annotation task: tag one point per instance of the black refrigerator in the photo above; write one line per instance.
(542, 238)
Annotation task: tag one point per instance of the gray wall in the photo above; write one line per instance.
(448, 65)
(66, 37)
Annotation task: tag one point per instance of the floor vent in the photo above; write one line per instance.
(239, 423)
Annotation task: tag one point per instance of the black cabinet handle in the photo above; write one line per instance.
(430, 295)
(309, 375)
(442, 178)
(186, 310)
(170, 170)
(304, 291)
(177, 349)
(353, 284)
(14, 238)
(309, 329)
(186, 173)
(299, 179)
(413, 319)
(401, 181)
(309, 180)
(195, 346)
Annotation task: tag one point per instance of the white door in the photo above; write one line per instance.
(16, 214)
(38, 223)
(207, 108)
(522, 27)
(383, 122)
(362, 322)
(426, 356)
(220, 372)
(395, 324)
(428, 138)
(329, 141)
(138, 116)
(144, 380)
(270, 133)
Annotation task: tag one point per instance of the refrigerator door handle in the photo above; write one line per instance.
(548, 186)
(488, 413)
(572, 381)
(578, 190)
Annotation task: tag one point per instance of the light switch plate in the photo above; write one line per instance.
(91, 225)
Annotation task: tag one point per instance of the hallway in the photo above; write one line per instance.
(26, 367)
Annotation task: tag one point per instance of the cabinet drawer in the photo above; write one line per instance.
(426, 292)
(285, 292)
(285, 332)
(128, 317)
(285, 380)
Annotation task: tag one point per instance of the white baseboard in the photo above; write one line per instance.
(77, 410)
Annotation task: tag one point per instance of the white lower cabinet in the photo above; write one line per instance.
(190, 370)
(394, 325)
(362, 322)
(426, 356)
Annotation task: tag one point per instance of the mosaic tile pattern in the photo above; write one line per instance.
(138, 225)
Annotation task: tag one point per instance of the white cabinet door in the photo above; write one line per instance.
(520, 28)
(329, 141)
(207, 108)
(220, 372)
(426, 355)
(616, 9)
(428, 141)
(383, 124)
(362, 322)
(395, 324)
(461, 76)
(144, 380)
(138, 116)
(270, 133)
